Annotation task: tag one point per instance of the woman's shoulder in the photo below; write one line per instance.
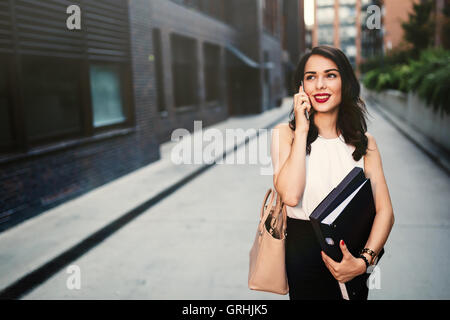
(372, 156)
(372, 159)
(284, 130)
(371, 143)
(283, 126)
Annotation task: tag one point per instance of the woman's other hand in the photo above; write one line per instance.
(348, 268)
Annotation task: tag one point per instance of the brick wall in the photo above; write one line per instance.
(46, 176)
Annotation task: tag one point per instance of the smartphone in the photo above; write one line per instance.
(306, 111)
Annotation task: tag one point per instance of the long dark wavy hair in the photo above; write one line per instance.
(351, 121)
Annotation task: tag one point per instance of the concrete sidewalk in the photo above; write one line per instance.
(31, 245)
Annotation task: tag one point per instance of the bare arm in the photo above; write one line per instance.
(384, 218)
(288, 158)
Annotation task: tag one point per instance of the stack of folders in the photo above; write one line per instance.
(346, 213)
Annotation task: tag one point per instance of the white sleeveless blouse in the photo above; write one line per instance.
(328, 163)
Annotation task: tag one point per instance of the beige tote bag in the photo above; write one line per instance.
(267, 270)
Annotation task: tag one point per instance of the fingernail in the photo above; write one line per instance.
(342, 242)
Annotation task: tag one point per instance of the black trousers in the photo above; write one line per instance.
(308, 276)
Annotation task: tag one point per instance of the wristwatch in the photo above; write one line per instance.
(372, 254)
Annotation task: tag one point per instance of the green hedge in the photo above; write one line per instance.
(429, 76)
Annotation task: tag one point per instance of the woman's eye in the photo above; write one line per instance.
(330, 75)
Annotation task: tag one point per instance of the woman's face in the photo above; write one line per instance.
(322, 83)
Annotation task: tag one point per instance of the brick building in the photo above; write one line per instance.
(80, 108)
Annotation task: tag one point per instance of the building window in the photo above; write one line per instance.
(106, 94)
(159, 70)
(347, 15)
(325, 15)
(57, 83)
(212, 71)
(51, 96)
(325, 35)
(347, 2)
(184, 70)
(5, 106)
(322, 3)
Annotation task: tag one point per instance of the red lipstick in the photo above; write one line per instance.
(322, 98)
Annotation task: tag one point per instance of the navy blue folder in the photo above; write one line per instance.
(347, 213)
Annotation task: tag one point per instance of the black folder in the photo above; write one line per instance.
(347, 213)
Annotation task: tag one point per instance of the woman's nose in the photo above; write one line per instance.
(320, 83)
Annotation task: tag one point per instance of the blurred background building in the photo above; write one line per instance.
(371, 39)
(80, 108)
(342, 24)
(395, 11)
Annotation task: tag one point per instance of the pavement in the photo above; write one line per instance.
(151, 235)
(51, 235)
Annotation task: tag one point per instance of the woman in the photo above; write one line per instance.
(310, 158)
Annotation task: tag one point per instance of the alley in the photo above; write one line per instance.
(195, 243)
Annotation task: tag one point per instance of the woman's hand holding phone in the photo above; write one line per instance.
(302, 106)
